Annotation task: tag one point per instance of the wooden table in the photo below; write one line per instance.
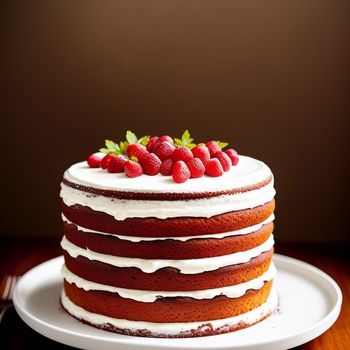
(19, 255)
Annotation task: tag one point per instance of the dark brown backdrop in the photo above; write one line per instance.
(270, 77)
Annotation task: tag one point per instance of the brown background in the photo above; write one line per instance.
(270, 77)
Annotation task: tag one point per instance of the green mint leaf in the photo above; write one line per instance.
(107, 151)
(122, 146)
(131, 137)
(178, 142)
(186, 140)
(112, 146)
(222, 144)
(185, 135)
(143, 140)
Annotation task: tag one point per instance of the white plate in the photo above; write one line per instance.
(310, 303)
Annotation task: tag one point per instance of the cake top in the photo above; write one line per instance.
(248, 172)
(166, 165)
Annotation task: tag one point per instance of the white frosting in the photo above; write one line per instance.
(204, 207)
(247, 172)
(243, 231)
(148, 296)
(249, 317)
(186, 266)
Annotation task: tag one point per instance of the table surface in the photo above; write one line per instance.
(18, 255)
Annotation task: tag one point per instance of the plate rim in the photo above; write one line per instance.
(293, 340)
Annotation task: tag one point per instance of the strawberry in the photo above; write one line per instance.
(224, 159)
(165, 150)
(132, 169)
(105, 160)
(151, 143)
(166, 168)
(151, 164)
(181, 153)
(94, 160)
(136, 150)
(181, 173)
(233, 156)
(196, 167)
(213, 147)
(116, 164)
(166, 138)
(214, 168)
(201, 151)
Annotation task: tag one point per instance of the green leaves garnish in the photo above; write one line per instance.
(143, 140)
(222, 144)
(111, 148)
(186, 140)
(131, 138)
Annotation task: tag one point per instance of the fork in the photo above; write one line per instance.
(7, 287)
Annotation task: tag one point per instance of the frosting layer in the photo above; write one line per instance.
(205, 207)
(187, 266)
(247, 318)
(148, 296)
(135, 239)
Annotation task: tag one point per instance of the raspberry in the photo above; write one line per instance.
(181, 153)
(224, 159)
(196, 167)
(105, 160)
(165, 150)
(214, 168)
(136, 150)
(116, 164)
(166, 168)
(233, 156)
(132, 169)
(151, 143)
(94, 160)
(181, 173)
(213, 147)
(201, 152)
(151, 164)
(166, 138)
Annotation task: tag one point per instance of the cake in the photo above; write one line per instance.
(183, 252)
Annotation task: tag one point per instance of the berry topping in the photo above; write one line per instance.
(213, 147)
(196, 167)
(94, 160)
(201, 152)
(105, 160)
(233, 156)
(151, 164)
(132, 169)
(179, 157)
(136, 150)
(224, 159)
(214, 168)
(165, 150)
(116, 164)
(181, 153)
(166, 138)
(166, 168)
(151, 143)
(181, 173)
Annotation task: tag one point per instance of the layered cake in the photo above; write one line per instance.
(176, 250)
